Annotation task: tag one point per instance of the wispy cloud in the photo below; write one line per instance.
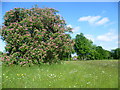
(76, 29)
(69, 26)
(90, 37)
(110, 36)
(102, 21)
(90, 19)
(110, 23)
(95, 20)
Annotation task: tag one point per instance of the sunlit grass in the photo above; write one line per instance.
(70, 74)
(0, 75)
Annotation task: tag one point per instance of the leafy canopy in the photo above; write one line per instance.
(35, 36)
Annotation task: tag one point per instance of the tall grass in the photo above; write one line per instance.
(0, 76)
(70, 74)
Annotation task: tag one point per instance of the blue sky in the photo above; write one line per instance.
(98, 21)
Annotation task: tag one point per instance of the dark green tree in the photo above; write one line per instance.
(83, 47)
(107, 54)
(100, 52)
(87, 51)
(115, 53)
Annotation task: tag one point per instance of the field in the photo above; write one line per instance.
(0, 76)
(69, 74)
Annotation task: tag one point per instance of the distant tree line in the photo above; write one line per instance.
(86, 50)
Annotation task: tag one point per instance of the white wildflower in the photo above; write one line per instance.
(88, 82)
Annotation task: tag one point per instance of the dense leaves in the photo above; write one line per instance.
(82, 46)
(35, 36)
(115, 53)
(87, 51)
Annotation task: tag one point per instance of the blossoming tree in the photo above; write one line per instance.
(35, 36)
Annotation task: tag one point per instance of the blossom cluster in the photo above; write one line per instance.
(35, 36)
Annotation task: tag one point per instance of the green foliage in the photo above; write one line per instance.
(102, 54)
(83, 47)
(35, 36)
(87, 51)
(115, 53)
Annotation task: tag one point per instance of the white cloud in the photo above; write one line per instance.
(95, 20)
(108, 45)
(90, 37)
(2, 45)
(90, 19)
(69, 26)
(111, 48)
(110, 36)
(76, 29)
(102, 21)
(110, 23)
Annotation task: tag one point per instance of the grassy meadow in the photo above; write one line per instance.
(0, 75)
(69, 74)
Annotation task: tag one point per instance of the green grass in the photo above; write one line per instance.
(0, 76)
(70, 74)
